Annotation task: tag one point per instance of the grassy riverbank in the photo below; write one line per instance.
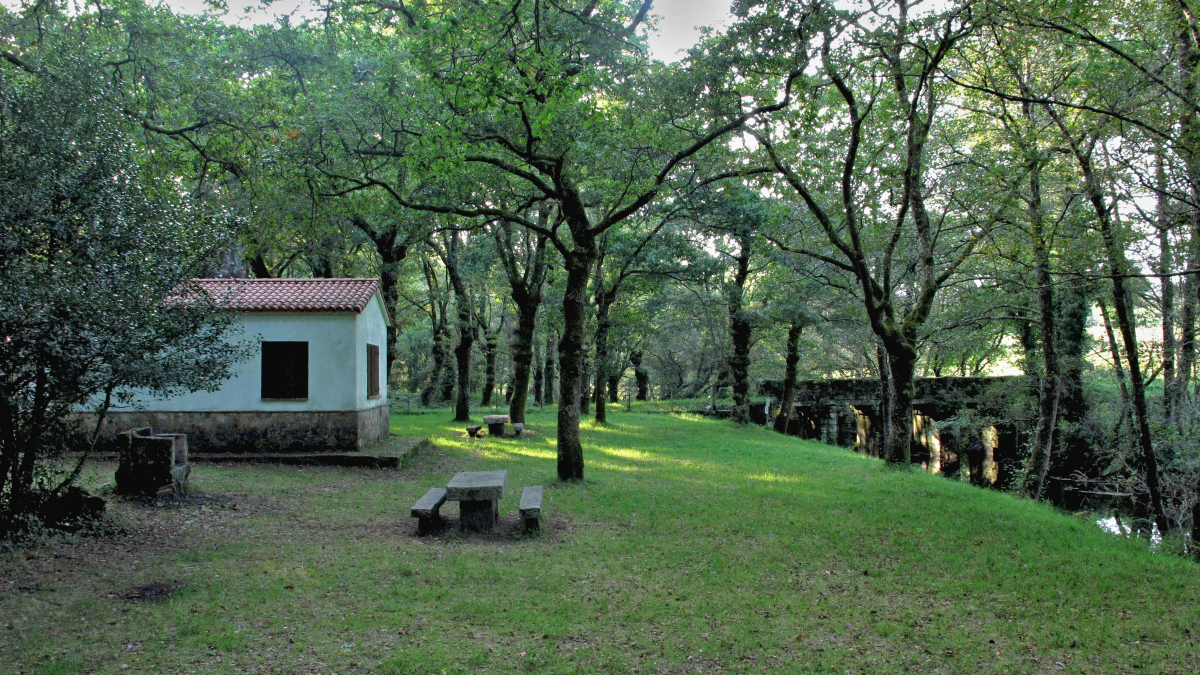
(694, 545)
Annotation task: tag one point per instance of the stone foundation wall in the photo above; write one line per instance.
(373, 424)
(250, 432)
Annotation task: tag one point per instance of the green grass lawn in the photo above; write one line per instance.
(693, 546)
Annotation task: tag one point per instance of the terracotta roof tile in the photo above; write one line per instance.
(291, 295)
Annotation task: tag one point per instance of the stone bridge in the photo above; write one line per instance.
(955, 427)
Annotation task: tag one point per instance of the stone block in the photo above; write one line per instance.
(427, 511)
(181, 447)
(473, 430)
(477, 485)
(147, 464)
(478, 515)
(531, 507)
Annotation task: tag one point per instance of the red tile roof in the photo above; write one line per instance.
(291, 295)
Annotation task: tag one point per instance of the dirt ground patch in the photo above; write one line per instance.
(155, 591)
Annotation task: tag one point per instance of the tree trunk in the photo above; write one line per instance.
(462, 358)
(1187, 54)
(902, 361)
(570, 360)
(258, 266)
(22, 483)
(391, 254)
(788, 399)
(1125, 323)
(603, 303)
(438, 355)
(389, 288)
(614, 386)
(1187, 332)
(1029, 348)
(585, 386)
(599, 390)
(466, 330)
(640, 375)
(1119, 370)
(740, 333)
(439, 376)
(449, 377)
(1073, 303)
(526, 284)
(522, 355)
(1049, 390)
(491, 340)
(721, 381)
(321, 262)
(1165, 267)
(739, 368)
(548, 377)
(489, 369)
(1138, 398)
(885, 398)
(539, 374)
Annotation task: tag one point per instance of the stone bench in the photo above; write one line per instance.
(473, 430)
(427, 510)
(495, 424)
(531, 507)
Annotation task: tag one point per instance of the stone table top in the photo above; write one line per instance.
(495, 419)
(473, 486)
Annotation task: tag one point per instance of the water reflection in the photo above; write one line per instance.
(1112, 525)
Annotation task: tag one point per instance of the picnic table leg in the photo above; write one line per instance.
(478, 516)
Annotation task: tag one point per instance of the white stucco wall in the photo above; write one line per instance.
(371, 328)
(337, 364)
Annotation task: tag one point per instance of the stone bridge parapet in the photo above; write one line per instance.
(847, 412)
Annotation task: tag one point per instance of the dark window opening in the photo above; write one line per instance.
(285, 370)
(372, 371)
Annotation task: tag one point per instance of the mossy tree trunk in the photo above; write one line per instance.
(1118, 269)
(392, 249)
(740, 331)
(570, 362)
(548, 376)
(640, 376)
(448, 251)
(524, 257)
(787, 399)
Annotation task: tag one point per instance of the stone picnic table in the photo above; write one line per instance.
(477, 493)
(495, 424)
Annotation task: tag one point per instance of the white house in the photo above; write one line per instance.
(318, 380)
